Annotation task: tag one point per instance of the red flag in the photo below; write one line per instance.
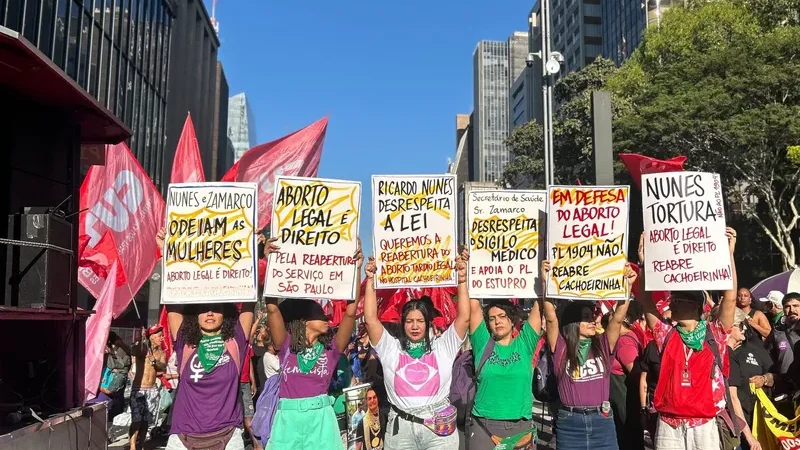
(120, 198)
(101, 257)
(97, 327)
(187, 167)
(639, 164)
(296, 154)
(163, 321)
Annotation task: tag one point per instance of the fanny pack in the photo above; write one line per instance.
(443, 422)
(210, 441)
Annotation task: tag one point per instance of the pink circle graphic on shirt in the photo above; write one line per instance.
(417, 373)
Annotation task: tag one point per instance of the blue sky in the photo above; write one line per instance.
(391, 75)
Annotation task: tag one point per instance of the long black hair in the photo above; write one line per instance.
(427, 315)
(571, 320)
(297, 329)
(190, 331)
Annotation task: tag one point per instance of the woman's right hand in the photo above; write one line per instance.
(371, 267)
(545, 271)
(160, 236)
(641, 248)
(271, 246)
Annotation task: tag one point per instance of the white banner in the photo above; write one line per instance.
(587, 241)
(414, 230)
(210, 246)
(316, 223)
(684, 223)
(505, 242)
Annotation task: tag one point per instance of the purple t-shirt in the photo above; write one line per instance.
(295, 384)
(208, 402)
(589, 386)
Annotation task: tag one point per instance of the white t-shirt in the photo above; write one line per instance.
(272, 365)
(411, 383)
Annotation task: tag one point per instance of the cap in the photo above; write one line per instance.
(154, 329)
(301, 309)
(774, 297)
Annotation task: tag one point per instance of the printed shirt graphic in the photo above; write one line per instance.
(508, 369)
(747, 361)
(296, 384)
(673, 354)
(208, 402)
(413, 383)
(588, 386)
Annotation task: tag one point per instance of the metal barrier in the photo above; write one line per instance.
(82, 428)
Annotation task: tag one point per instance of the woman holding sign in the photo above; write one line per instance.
(309, 357)
(582, 361)
(418, 370)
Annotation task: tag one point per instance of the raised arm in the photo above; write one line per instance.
(549, 309)
(461, 323)
(615, 322)
(727, 308)
(277, 329)
(349, 319)
(246, 317)
(475, 314)
(760, 323)
(651, 315)
(174, 312)
(374, 325)
(535, 317)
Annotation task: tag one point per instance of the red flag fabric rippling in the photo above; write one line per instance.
(187, 167)
(640, 164)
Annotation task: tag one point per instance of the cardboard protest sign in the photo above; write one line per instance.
(684, 224)
(506, 243)
(587, 241)
(414, 230)
(210, 246)
(316, 223)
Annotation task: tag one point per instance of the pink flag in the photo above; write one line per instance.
(119, 197)
(296, 154)
(97, 335)
(187, 167)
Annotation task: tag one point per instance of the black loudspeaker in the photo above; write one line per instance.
(39, 277)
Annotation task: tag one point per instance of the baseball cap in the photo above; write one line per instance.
(154, 329)
(774, 297)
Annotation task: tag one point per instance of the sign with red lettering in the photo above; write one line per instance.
(587, 241)
(414, 230)
(506, 249)
(209, 250)
(316, 223)
(684, 224)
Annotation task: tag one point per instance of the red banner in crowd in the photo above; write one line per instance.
(297, 154)
(97, 328)
(187, 167)
(121, 199)
(101, 257)
(639, 164)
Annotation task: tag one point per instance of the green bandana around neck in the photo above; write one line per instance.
(415, 349)
(209, 351)
(777, 318)
(307, 359)
(694, 339)
(584, 345)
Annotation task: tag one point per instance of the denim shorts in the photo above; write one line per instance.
(585, 431)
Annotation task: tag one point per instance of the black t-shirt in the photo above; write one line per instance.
(258, 361)
(376, 439)
(747, 361)
(650, 362)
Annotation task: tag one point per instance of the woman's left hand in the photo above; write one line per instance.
(272, 247)
(461, 265)
(630, 276)
(359, 255)
(759, 381)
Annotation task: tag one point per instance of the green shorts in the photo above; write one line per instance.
(305, 423)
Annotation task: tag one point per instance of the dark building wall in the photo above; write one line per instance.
(117, 50)
(192, 86)
(221, 163)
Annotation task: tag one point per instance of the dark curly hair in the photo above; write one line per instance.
(427, 315)
(297, 329)
(190, 331)
(514, 314)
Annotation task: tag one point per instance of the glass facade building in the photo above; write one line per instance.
(116, 50)
(624, 24)
(241, 125)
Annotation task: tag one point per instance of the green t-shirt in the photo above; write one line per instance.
(504, 384)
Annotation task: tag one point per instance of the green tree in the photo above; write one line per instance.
(718, 83)
(526, 168)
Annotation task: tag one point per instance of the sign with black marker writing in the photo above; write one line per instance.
(505, 241)
(684, 224)
(587, 241)
(209, 247)
(316, 223)
(414, 230)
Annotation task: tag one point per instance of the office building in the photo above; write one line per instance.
(624, 23)
(222, 159)
(522, 99)
(118, 52)
(241, 124)
(460, 165)
(517, 54)
(193, 84)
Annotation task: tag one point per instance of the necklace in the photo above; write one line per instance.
(374, 425)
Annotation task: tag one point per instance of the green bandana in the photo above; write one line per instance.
(415, 349)
(777, 319)
(209, 351)
(584, 345)
(694, 339)
(307, 359)
(511, 442)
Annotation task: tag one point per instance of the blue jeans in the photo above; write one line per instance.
(590, 431)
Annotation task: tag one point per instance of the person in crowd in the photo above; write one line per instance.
(271, 364)
(650, 366)
(118, 364)
(418, 370)
(582, 360)
(259, 350)
(772, 305)
(509, 369)
(299, 329)
(371, 429)
(247, 392)
(625, 377)
(150, 361)
(749, 361)
(372, 370)
(781, 345)
(758, 320)
(690, 393)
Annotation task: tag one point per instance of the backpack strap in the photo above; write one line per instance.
(714, 347)
(487, 352)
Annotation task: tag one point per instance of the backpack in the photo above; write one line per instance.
(267, 406)
(545, 383)
(464, 383)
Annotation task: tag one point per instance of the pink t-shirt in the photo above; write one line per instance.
(627, 350)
